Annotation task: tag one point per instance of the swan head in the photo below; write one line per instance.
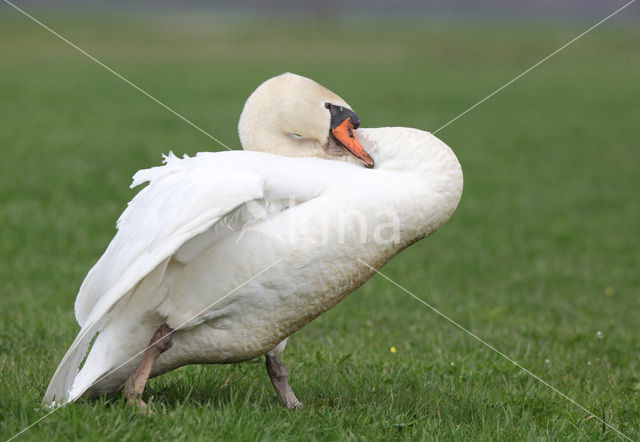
(294, 116)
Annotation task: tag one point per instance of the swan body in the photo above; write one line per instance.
(238, 250)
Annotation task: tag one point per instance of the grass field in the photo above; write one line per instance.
(541, 259)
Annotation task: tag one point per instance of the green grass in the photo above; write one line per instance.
(548, 222)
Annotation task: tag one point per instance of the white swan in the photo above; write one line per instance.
(224, 255)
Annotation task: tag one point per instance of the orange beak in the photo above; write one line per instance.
(343, 134)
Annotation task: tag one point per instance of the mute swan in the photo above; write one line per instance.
(224, 255)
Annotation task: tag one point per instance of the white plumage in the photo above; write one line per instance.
(204, 227)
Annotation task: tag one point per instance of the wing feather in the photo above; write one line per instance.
(184, 198)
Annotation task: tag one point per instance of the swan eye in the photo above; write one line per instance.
(327, 105)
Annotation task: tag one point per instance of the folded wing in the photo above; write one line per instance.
(184, 198)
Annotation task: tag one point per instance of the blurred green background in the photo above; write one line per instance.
(541, 259)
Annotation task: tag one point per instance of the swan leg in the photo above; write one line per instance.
(160, 342)
(279, 375)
